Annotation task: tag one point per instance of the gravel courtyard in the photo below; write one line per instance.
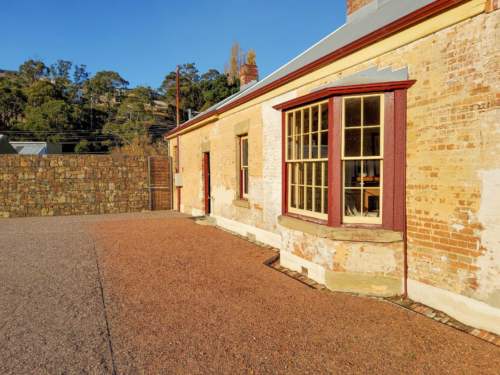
(155, 293)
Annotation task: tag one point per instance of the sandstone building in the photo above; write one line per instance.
(371, 160)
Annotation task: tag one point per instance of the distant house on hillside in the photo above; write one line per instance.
(5, 146)
(36, 148)
(4, 73)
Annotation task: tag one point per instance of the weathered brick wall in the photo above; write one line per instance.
(72, 185)
(454, 163)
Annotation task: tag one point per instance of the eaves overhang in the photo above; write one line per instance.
(188, 126)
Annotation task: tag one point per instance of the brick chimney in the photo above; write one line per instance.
(248, 73)
(354, 5)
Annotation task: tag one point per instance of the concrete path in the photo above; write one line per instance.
(155, 293)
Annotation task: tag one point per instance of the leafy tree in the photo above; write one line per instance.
(61, 69)
(105, 87)
(196, 92)
(12, 103)
(40, 92)
(33, 70)
(190, 94)
(80, 74)
(48, 120)
(236, 59)
(83, 146)
(103, 92)
(215, 87)
(134, 116)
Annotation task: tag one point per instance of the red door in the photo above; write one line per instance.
(206, 182)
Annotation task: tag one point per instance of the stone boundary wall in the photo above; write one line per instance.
(72, 185)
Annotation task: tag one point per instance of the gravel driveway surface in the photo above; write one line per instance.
(156, 293)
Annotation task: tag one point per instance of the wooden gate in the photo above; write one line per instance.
(160, 183)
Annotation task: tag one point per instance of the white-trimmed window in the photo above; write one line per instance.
(362, 158)
(307, 160)
(243, 143)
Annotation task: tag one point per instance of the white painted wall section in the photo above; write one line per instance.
(271, 138)
(266, 237)
(295, 263)
(466, 310)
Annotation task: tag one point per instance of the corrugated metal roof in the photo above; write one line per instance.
(30, 148)
(365, 23)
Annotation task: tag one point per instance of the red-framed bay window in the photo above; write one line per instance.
(344, 155)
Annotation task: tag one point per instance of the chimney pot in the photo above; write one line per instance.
(354, 5)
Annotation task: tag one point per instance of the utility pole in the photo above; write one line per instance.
(178, 95)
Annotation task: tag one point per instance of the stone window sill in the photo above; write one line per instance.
(243, 203)
(341, 233)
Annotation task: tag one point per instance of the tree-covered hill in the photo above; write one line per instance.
(63, 102)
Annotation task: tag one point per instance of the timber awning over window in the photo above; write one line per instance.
(370, 80)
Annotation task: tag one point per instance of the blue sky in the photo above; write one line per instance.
(144, 39)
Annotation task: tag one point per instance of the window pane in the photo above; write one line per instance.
(314, 147)
(371, 141)
(315, 119)
(353, 112)
(318, 174)
(297, 147)
(371, 110)
(317, 199)
(309, 199)
(325, 201)
(289, 148)
(324, 116)
(244, 146)
(306, 147)
(325, 174)
(300, 173)
(298, 135)
(352, 174)
(352, 202)
(306, 120)
(300, 203)
(324, 145)
(289, 124)
(352, 142)
(371, 173)
(309, 173)
(298, 123)
(292, 197)
(371, 202)
(245, 181)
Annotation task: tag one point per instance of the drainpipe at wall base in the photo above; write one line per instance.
(405, 225)
(405, 262)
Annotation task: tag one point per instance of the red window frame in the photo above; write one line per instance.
(394, 182)
(242, 179)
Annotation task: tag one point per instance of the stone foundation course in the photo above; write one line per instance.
(57, 185)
